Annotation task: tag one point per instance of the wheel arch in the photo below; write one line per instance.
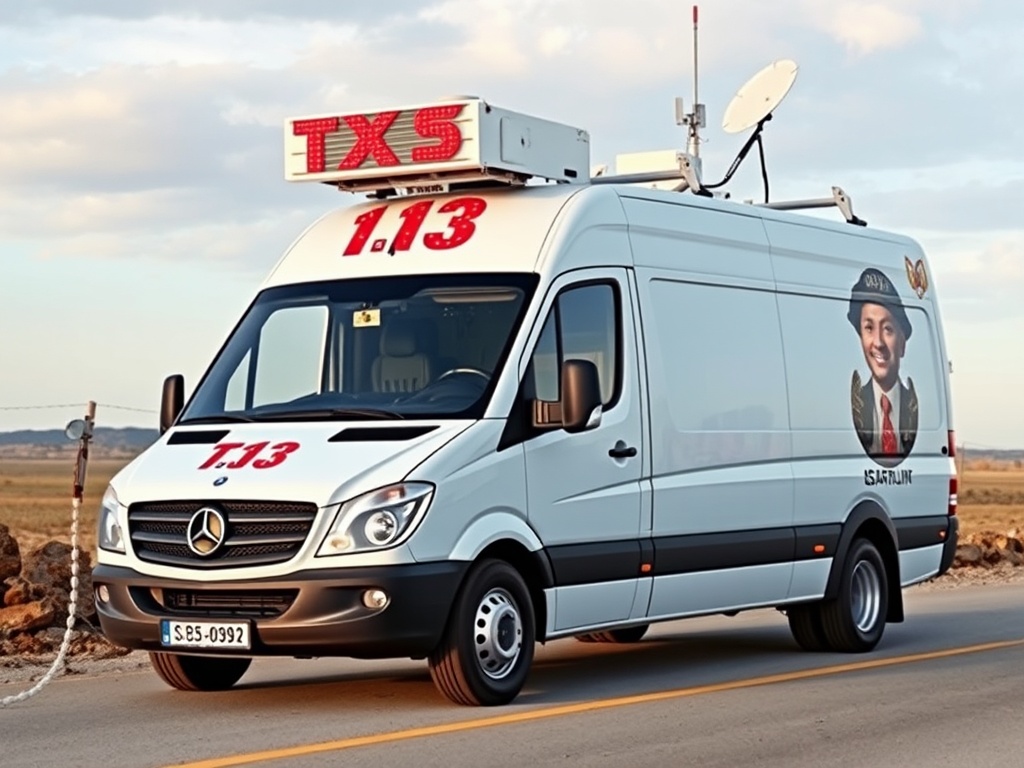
(870, 521)
(534, 567)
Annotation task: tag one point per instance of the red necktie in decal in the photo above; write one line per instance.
(888, 433)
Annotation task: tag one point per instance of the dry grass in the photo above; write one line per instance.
(35, 498)
(991, 496)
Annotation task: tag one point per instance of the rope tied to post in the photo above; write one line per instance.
(81, 430)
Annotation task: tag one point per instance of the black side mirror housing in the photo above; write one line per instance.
(172, 400)
(581, 396)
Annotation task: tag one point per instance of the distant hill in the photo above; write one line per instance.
(107, 441)
(125, 437)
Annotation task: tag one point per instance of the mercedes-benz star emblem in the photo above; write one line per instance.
(206, 531)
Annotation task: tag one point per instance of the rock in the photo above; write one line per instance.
(50, 567)
(968, 554)
(10, 554)
(992, 555)
(20, 591)
(15, 619)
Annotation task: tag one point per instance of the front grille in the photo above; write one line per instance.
(256, 532)
(257, 604)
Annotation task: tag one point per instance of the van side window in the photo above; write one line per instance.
(583, 325)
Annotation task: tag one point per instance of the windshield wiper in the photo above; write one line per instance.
(331, 413)
(224, 418)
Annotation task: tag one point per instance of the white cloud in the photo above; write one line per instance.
(867, 27)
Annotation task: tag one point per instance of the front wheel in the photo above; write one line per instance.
(199, 673)
(855, 620)
(487, 648)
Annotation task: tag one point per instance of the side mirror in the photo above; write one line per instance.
(581, 396)
(171, 401)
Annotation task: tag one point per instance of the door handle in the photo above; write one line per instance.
(622, 451)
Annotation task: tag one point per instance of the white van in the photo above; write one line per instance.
(475, 412)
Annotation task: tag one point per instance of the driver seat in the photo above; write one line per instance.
(401, 366)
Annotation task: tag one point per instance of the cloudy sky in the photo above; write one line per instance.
(141, 176)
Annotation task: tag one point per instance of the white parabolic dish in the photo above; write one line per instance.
(759, 96)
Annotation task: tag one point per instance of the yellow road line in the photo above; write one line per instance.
(587, 706)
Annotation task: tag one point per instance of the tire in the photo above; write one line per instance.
(806, 626)
(855, 620)
(199, 673)
(624, 635)
(486, 651)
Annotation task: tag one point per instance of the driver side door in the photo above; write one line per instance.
(584, 489)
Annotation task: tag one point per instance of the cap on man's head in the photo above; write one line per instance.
(875, 288)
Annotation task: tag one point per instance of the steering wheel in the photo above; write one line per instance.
(457, 371)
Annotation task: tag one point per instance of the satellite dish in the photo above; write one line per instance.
(759, 96)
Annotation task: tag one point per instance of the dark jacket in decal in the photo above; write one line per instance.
(869, 433)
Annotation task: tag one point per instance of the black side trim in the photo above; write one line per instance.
(917, 532)
(647, 554)
(810, 536)
(369, 434)
(712, 551)
(597, 562)
(613, 560)
(197, 437)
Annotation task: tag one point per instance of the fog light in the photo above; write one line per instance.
(376, 598)
(102, 593)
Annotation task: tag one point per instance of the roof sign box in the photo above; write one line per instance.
(457, 140)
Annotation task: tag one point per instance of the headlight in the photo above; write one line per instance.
(378, 519)
(109, 536)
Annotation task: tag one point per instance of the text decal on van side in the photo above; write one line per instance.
(278, 452)
(460, 227)
(888, 476)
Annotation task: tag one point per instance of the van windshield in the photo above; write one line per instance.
(412, 347)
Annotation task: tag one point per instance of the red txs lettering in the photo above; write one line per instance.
(436, 125)
(437, 122)
(370, 141)
(316, 132)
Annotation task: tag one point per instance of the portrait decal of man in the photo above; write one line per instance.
(884, 409)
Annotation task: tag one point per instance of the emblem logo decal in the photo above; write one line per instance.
(206, 531)
(917, 276)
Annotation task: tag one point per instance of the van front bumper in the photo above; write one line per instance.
(309, 613)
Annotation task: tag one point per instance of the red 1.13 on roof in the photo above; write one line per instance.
(453, 141)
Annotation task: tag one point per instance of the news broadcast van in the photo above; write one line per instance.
(507, 399)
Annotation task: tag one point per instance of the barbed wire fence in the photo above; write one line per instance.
(66, 406)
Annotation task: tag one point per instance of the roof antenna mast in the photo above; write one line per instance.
(696, 119)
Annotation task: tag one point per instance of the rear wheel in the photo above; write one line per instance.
(855, 620)
(805, 624)
(485, 654)
(199, 673)
(624, 635)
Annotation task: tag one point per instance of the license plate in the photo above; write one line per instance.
(204, 634)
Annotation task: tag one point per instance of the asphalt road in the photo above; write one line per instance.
(943, 689)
